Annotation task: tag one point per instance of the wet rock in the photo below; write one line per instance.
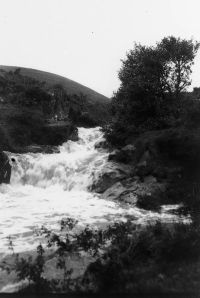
(120, 193)
(128, 190)
(111, 174)
(114, 191)
(5, 168)
(41, 149)
(73, 133)
(128, 197)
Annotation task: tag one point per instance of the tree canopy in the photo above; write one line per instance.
(178, 57)
(152, 79)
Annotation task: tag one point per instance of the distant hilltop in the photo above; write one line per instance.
(70, 86)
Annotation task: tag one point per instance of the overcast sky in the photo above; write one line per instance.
(84, 40)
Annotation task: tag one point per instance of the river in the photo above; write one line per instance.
(45, 188)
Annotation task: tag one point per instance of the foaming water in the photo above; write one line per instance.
(45, 188)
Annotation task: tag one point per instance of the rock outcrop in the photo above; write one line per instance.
(110, 174)
(5, 168)
(158, 168)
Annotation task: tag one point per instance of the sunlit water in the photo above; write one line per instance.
(45, 188)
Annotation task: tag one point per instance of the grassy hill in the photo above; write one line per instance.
(71, 87)
(29, 99)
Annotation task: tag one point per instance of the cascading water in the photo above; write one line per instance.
(45, 188)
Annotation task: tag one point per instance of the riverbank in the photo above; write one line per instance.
(22, 127)
(155, 169)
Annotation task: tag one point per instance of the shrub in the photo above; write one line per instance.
(141, 256)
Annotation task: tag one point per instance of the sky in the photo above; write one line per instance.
(85, 40)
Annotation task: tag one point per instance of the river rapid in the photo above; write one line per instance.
(45, 188)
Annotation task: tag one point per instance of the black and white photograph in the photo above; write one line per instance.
(100, 148)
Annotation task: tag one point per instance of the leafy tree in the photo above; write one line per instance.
(151, 78)
(178, 56)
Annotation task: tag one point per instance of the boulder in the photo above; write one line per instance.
(110, 174)
(114, 192)
(41, 149)
(5, 168)
(120, 193)
(129, 190)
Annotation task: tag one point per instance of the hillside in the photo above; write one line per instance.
(31, 99)
(71, 87)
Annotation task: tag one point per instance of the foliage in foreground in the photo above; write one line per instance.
(127, 258)
(158, 258)
(66, 243)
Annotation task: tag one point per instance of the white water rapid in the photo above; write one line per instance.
(45, 188)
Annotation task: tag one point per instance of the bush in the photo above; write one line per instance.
(26, 127)
(136, 262)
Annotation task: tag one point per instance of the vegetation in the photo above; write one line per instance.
(150, 94)
(24, 91)
(88, 100)
(29, 105)
(51, 79)
(127, 258)
(151, 110)
(154, 259)
(65, 243)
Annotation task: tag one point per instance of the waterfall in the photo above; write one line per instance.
(69, 170)
(45, 188)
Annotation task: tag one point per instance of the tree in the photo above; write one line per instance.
(151, 78)
(178, 57)
(142, 69)
(137, 103)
